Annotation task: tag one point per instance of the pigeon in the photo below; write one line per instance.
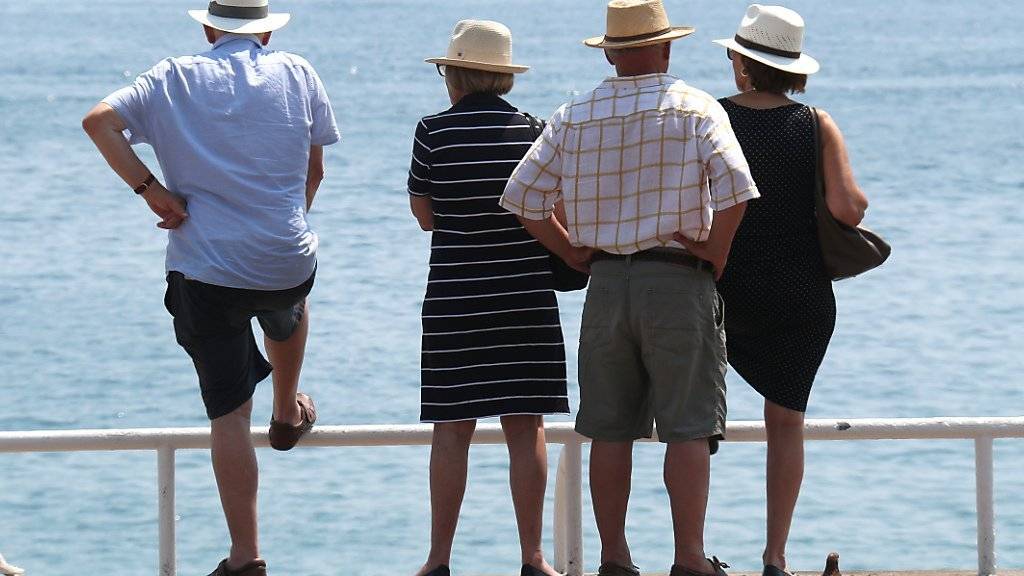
(832, 565)
(8, 570)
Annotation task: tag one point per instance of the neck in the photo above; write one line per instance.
(625, 70)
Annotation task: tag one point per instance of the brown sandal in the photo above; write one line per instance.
(284, 436)
(254, 568)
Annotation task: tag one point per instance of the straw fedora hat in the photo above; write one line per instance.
(772, 35)
(635, 23)
(481, 45)
(240, 16)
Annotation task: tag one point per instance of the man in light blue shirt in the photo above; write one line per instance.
(239, 134)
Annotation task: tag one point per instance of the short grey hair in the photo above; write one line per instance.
(472, 81)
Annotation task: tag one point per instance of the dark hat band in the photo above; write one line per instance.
(239, 12)
(638, 37)
(762, 48)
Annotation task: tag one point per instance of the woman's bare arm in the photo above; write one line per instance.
(423, 209)
(844, 198)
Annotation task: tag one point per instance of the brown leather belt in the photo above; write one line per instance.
(657, 255)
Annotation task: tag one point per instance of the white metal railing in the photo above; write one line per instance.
(569, 481)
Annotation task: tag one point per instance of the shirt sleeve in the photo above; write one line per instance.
(419, 169)
(727, 168)
(536, 183)
(132, 104)
(324, 130)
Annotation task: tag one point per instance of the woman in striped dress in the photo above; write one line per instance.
(492, 342)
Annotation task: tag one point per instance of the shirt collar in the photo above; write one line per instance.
(635, 82)
(478, 99)
(231, 37)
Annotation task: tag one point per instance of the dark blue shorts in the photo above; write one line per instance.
(214, 325)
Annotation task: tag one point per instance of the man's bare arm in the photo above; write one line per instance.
(315, 174)
(554, 237)
(716, 248)
(106, 129)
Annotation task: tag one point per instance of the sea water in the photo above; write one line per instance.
(928, 95)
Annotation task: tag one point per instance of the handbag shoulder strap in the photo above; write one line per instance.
(536, 124)
(819, 160)
(816, 128)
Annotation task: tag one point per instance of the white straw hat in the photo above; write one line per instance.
(240, 16)
(481, 45)
(772, 35)
(635, 23)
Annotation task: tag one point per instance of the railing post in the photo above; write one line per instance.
(165, 487)
(560, 528)
(984, 491)
(574, 508)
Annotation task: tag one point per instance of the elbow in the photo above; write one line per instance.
(426, 224)
(848, 208)
(91, 124)
(851, 214)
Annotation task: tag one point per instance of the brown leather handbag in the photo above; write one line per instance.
(564, 278)
(846, 250)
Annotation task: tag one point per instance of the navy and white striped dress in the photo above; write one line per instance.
(492, 342)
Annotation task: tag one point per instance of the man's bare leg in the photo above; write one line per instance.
(286, 358)
(687, 478)
(237, 473)
(611, 468)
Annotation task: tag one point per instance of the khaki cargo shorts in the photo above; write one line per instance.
(652, 350)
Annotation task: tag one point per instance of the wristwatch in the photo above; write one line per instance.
(141, 188)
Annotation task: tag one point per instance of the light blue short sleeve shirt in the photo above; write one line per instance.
(232, 129)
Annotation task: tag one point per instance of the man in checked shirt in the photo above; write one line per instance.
(654, 186)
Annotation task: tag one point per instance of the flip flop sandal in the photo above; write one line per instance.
(254, 568)
(284, 436)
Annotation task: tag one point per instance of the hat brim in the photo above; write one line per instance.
(474, 65)
(239, 26)
(675, 33)
(802, 65)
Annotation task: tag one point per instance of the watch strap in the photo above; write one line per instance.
(141, 188)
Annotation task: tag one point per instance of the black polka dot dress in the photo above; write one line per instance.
(780, 308)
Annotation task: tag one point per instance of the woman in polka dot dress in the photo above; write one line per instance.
(780, 309)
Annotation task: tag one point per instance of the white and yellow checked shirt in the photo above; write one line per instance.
(636, 160)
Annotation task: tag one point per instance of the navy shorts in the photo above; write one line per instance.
(214, 325)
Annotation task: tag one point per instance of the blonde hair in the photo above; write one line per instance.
(471, 81)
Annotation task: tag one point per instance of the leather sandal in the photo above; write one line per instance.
(678, 570)
(612, 569)
(254, 568)
(284, 436)
(772, 570)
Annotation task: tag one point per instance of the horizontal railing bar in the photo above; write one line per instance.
(557, 433)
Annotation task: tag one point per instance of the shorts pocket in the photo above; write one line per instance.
(676, 311)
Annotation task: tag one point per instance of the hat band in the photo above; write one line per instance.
(762, 48)
(239, 12)
(638, 37)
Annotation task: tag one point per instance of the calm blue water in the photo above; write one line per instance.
(927, 93)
